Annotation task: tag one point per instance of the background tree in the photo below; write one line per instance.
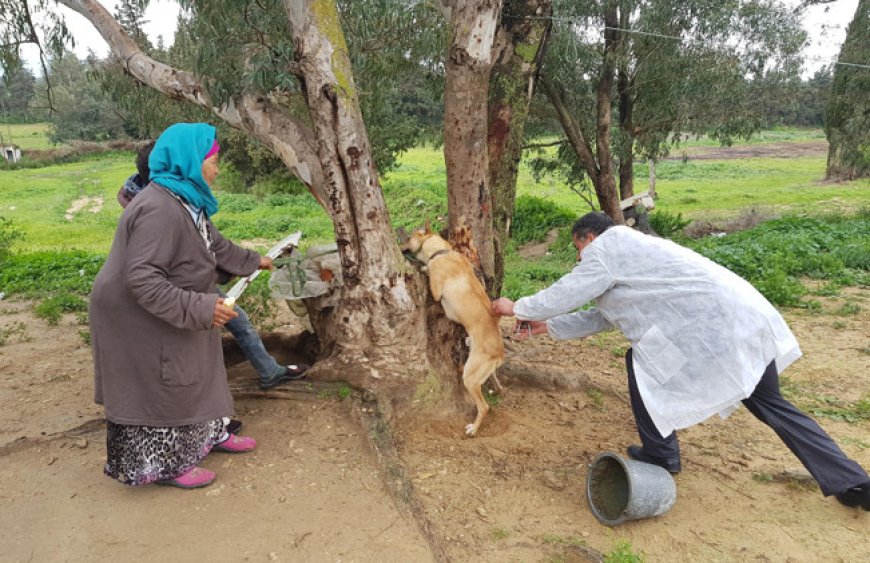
(848, 115)
(16, 94)
(628, 77)
(82, 110)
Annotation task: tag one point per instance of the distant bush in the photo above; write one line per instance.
(534, 217)
(667, 224)
(52, 308)
(775, 254)
(8, 235)
(45, 274)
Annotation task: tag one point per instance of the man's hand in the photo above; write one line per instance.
(222, 314)
(525, 329)
(266, 263)
(503, 307)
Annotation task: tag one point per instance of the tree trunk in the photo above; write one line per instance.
(608, 196)
(375, 334)
(583, 150)
(519, 46)
(626, 124)
(469, 63)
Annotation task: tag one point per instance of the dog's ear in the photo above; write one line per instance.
(402, 235)
(427, 227)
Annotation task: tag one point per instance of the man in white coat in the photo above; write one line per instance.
(703, 340)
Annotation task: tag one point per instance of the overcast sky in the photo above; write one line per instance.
(826, 26)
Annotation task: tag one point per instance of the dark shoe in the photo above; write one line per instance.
(856, 496)
(234, 426)
(671, 465)
(294, 372)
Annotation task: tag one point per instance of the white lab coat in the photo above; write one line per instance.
(702, 336)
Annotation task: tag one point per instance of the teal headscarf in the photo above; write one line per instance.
(176, 163)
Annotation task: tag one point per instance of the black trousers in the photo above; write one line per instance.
(825, 461)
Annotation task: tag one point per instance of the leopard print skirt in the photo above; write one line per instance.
(138, 455)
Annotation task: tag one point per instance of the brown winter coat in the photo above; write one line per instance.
(157, 359)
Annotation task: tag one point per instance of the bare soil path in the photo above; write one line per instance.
(316, 491)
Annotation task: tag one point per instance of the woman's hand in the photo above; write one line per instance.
(266, 263)
(503, 307)
(222, 314)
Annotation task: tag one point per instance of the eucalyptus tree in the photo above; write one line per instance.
(628, 77)
(848, 113)
(285, 73)
(17, 90)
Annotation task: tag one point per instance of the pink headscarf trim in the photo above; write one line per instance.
(214, 149)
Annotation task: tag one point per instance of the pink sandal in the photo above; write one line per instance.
(235, 445)
(193, 479)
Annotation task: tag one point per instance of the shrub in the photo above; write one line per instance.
(534, 217)
(667, 224)
(8, 235)
(52, 308)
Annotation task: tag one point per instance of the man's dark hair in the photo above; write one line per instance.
(142, 162)
(595, 223)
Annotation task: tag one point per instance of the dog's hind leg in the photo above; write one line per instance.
(473, 376)
(496, 383)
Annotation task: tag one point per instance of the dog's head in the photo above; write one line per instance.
(422, 243)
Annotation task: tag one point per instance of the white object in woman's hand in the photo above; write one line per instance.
(222, 313)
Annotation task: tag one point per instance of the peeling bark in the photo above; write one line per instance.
(374, 335)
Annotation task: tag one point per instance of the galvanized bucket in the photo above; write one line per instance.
(623, 489)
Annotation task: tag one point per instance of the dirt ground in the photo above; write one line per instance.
(316, 490)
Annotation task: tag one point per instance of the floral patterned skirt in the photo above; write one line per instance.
(138, 455)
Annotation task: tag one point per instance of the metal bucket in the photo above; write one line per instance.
(624, 489)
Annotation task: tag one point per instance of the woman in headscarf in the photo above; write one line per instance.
(155, 321)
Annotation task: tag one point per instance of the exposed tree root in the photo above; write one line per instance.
(89, 427)
(375, 420)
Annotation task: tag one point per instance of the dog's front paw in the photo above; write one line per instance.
(470, 430)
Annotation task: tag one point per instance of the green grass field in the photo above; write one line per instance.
(36, 203)
(27, 136)
(36, 200)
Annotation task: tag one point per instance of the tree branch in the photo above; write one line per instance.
(288, 137)
(572, 130)
(34, 38)
(545, 145)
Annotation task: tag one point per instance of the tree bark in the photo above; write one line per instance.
(608, 196)
(519, 46)
(626, 124)
(469, 64)
(374, 335)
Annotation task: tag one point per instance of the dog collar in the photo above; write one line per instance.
(438, 253)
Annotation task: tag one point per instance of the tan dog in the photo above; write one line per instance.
(453, 283)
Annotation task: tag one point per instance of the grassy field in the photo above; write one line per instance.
(26, 135)
(37, 203)
(36, 200)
